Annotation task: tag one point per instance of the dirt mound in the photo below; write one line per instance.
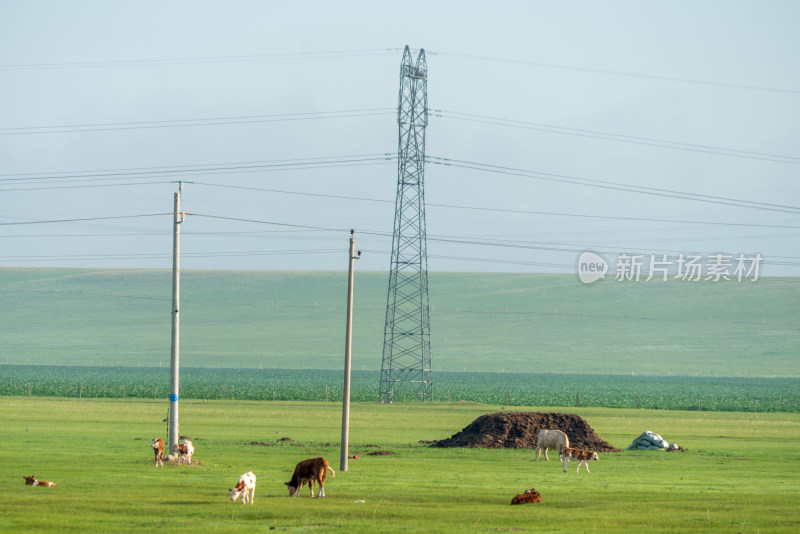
(518, 430)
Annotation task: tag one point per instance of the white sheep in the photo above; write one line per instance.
(551, 439)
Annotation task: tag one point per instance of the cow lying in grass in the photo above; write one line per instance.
(551, 439)
(581, 456)
(308, 471)
(158, 451)
(31, 481)
(530, 496)
(184, 450)
(247, 483)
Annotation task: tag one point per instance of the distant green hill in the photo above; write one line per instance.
(533, 323)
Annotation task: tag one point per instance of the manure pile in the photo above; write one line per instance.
(519, 430)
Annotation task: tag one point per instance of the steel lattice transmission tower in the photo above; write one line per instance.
(406, 336)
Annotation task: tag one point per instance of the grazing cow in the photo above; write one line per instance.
(158, 451)
(581, 456)
(309, 471)
(184, 450)
(247, 483)
(31, 481)
(551, 439)
(530, 496)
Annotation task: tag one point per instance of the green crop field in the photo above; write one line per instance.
(515, 389)
(514, 323)
(739, 472)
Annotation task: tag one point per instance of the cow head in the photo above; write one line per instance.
(29, 481)
(235, 492)
(292, 489)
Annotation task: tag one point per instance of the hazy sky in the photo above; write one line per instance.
(280, 116)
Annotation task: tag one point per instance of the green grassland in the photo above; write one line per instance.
(516, 323)
(739, 473)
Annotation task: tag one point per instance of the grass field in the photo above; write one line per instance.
(516, 323)
(739, 474)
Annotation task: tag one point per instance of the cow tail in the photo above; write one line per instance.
(333, 473)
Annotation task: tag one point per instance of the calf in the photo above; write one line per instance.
(184, 450)
(581, 456)
(530, 496)
(31, 481)
(247, 483)
(309, 471)
(158, 451)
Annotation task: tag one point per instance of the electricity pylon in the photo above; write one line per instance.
(406, 336)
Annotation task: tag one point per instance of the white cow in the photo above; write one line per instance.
(184, 450)
(551, 439)
(247, 483)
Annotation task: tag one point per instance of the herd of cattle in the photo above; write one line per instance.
(316, 469)
(305, 472)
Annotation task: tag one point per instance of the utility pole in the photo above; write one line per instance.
(176, 298)
(348, 343)
(406, 335)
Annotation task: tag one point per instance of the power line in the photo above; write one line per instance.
(561, 178)
(570, 248)
(501, 210)
(159, 255)
(192, 168)
(84, 219)
(607, 136)
(618, 73)
(213, 168)
(286, 56)
(323, 161)
(181, 123)
(337, 54)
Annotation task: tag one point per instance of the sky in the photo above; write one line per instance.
(617, 127)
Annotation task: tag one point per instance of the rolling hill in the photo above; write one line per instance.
(480, 322)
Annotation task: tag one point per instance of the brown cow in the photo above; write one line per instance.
(581, 456)
(31, 481)
(530, 496)
(308, 471)
(158, 451)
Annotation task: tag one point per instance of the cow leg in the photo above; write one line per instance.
(311, 487)
(564, 463)
(545, 455)
(321, 489)
(536, 454)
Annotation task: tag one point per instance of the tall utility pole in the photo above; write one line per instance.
(348, 345)
(406, 336)
(175, 382)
